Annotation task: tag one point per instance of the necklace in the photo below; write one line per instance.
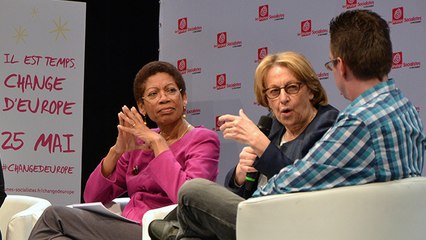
(170, 139)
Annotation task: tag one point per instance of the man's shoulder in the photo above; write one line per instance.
(328, 110)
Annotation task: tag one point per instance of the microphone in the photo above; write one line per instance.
(264, 124)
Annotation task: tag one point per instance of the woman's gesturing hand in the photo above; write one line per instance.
(132, 132)
(241, 129)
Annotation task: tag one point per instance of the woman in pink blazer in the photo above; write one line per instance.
(149, 164)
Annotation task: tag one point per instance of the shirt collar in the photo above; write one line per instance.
(373, 92)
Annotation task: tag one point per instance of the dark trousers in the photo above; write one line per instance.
(58, 222)
(207, 210)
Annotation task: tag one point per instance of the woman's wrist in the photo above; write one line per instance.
(110, 161)
(158, 145)
(115, 152)
(240, 177)
(259, 144)
(237, 184)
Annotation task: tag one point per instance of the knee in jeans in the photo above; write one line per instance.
(191, 187)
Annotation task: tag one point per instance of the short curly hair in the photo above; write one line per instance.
(151, 69)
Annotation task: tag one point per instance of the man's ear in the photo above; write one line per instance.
(343, 68)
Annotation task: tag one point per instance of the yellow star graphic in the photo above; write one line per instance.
(20, 34)
(34, 12)
(60, 29)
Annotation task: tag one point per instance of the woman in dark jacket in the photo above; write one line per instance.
(288, 86)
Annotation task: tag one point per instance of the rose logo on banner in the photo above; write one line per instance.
(261, 54)
(220, 81)
(398, 62)
(263, 14)
(354, 3)
(398, 17)
(222, 41)
(306, 29)
(351, 4)
(182, 66)
(183, 27)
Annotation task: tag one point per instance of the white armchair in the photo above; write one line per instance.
(391, 210)
(151, 215)
(18, 215)
(118, 204)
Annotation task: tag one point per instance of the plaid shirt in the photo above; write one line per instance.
(378, 137)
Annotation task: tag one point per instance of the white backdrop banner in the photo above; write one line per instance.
(41, 97)
(218, 44)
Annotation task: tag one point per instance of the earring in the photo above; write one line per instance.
(184, 111)
(144, 119)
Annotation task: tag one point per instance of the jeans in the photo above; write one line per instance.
(207, 210)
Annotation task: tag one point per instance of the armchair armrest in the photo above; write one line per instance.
(151, 215)
(118, 204)
(18, 215)
(389, 210)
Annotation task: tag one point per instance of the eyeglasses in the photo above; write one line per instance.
(290, 88)
(155, 93)
(330, 64)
